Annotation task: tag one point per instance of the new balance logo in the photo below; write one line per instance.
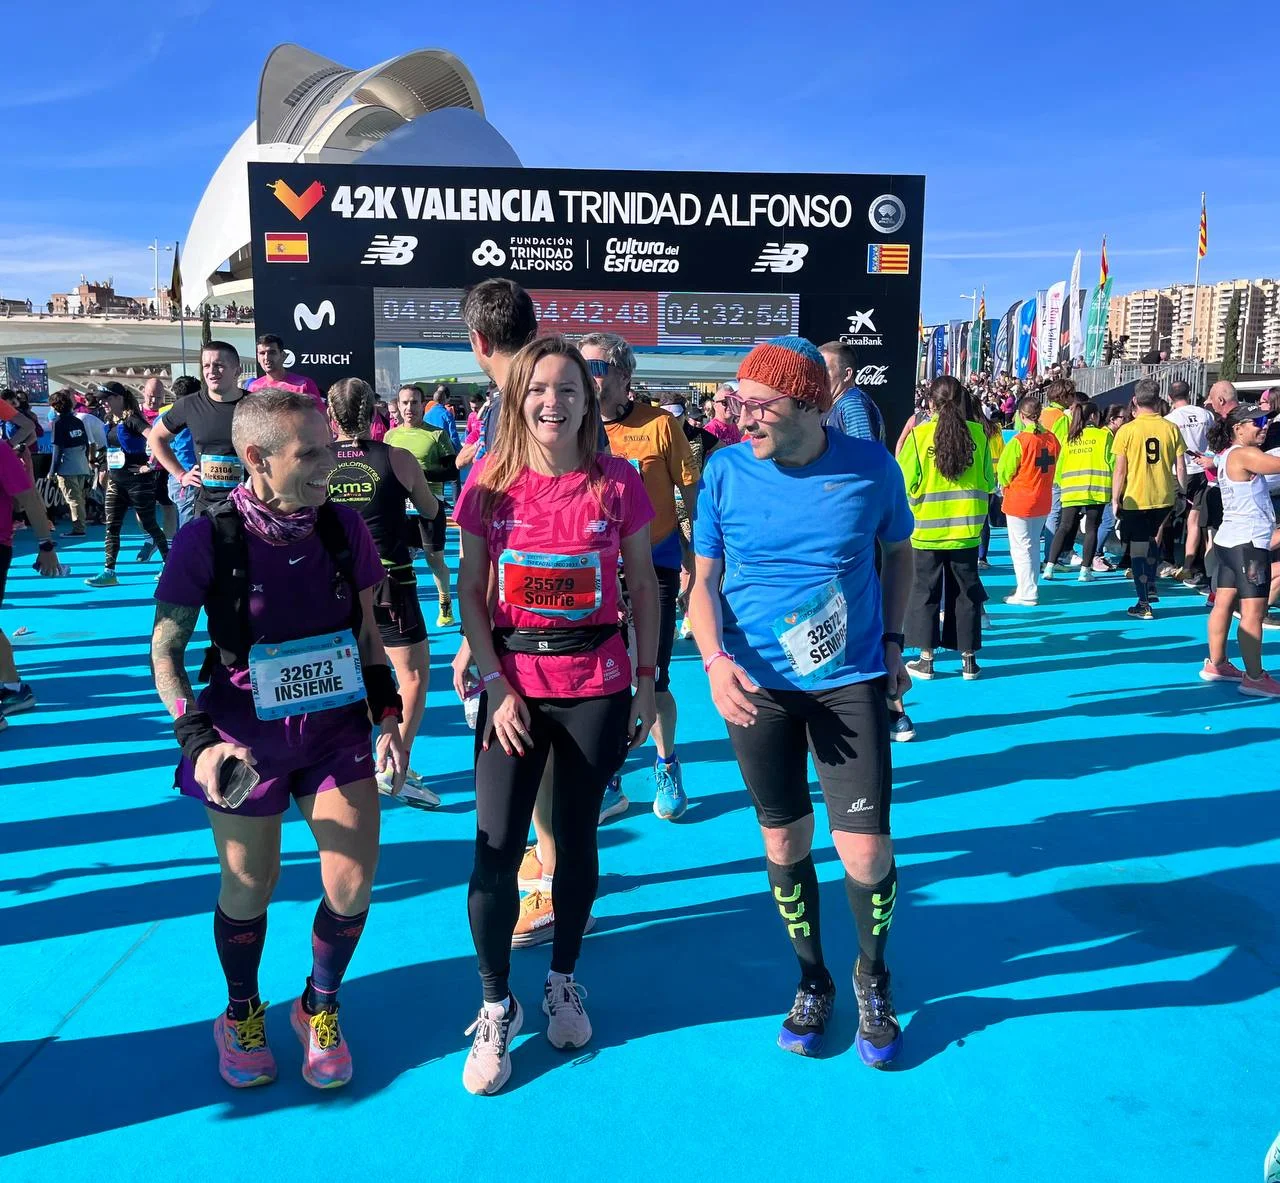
(781, 258)
(325, 314)
(391, 251)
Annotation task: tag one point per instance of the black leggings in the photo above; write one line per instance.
(1069, 523)
(130, 487)
(589, 738)
(946, 579)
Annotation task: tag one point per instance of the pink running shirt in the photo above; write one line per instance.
(554, 532)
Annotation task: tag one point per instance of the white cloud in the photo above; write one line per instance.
(1042, 254)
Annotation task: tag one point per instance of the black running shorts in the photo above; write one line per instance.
(397, 612)
(1141, 525)
(1245, 568)
(845, 730)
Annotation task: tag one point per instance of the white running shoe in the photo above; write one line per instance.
(562, 1004)
(488, 1065)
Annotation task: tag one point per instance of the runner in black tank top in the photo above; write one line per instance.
(376, 481)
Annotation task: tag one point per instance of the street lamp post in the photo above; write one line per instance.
(155, 248)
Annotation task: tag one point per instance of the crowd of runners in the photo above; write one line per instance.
(596, 529)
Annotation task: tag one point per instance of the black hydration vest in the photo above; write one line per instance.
(227, 607)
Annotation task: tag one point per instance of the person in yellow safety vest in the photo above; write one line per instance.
(1060, 396)
(995, 441)
(946, 463)
(1083, 481)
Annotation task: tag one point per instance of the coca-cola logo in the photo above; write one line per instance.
(872, 376)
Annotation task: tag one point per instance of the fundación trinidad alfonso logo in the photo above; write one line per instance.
(298, 206)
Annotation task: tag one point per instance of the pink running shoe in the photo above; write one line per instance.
(244, 1059)
(326, 1062)
(1263, 687)
(1226, 672)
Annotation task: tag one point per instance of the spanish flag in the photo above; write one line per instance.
(1204, 228)
(288, 248)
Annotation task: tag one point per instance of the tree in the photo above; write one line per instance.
(1231, 346)
(206, 329)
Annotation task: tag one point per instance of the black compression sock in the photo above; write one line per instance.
(872, 909)
(795, 891)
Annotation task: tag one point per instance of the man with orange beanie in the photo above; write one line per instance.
(802, 642)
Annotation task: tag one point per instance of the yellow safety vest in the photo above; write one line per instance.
(1084, 468)
(949, 514)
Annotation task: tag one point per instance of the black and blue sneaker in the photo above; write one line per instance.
(805, 1027)
(13, 701)
(879, 1036)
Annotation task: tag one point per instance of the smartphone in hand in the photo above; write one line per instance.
(236, 780)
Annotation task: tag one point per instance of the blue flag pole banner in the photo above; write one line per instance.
(1000, 353)
(953, 346)
(939, 352)
(1009, 326)
(1026, 330)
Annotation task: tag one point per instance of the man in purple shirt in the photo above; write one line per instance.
(294, 679)
(271, 359)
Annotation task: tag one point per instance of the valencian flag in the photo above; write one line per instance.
(1099, 308)
(1204, 229)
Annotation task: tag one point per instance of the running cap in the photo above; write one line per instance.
(116, 388)
(1245, 411)
(792, 366)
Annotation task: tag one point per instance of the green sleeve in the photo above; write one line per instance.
(988, 473)
(1010, 460)
(909, 462)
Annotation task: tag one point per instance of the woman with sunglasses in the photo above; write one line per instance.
(1243, 545)
(544, 519)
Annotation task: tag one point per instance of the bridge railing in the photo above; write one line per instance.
(1094, 380)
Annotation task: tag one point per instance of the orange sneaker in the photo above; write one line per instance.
(530, 873)
(537, 922)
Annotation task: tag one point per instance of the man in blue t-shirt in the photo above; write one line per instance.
(802, 642)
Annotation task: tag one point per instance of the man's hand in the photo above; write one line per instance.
(729, 689)
(192, 478)
(390, 753)
(209, 766)
(47, 562)
(899, 680)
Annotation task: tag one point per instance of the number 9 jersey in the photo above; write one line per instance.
(1150, 445)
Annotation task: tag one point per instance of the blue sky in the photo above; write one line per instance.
(1038, 131)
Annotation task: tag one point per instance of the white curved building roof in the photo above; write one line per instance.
(312, 109)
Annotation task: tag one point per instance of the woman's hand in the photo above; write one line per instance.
(644, 712)
(508, 718)
(390, 752)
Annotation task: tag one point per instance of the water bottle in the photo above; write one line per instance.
(63, 570)
(471, 686)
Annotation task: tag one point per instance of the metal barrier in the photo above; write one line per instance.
(1095, 380)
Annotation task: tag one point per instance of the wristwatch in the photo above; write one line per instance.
(47, 545)
(897, 638)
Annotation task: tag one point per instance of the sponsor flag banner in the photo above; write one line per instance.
(698, 263)
(1099, 311)
(1050, 324)
(1026, 338)
(962, 350)
(973, 350)
(1076, 326)
(953, 347)
(1000, 347)
(288, 248)
(938, 351)
(989, 329)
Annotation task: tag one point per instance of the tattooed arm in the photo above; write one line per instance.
(170, 633)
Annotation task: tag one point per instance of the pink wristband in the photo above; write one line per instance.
(716, 656)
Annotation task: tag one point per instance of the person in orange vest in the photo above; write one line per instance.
(1026, 475)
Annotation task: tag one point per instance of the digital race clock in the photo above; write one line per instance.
(644, 319)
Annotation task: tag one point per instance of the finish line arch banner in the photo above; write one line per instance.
(346, 257)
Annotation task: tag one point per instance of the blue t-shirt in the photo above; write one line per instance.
(440, 416)
(857, 415)
(801, 597)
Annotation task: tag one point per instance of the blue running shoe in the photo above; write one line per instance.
(615, 800)
(13, 701)
(805, 1027)
(669, 801)
(879, 1036)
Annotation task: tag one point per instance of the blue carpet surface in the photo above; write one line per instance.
(1084, 952)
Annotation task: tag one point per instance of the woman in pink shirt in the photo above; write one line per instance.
(544, 520)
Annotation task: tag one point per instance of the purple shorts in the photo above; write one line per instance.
(296, 757)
